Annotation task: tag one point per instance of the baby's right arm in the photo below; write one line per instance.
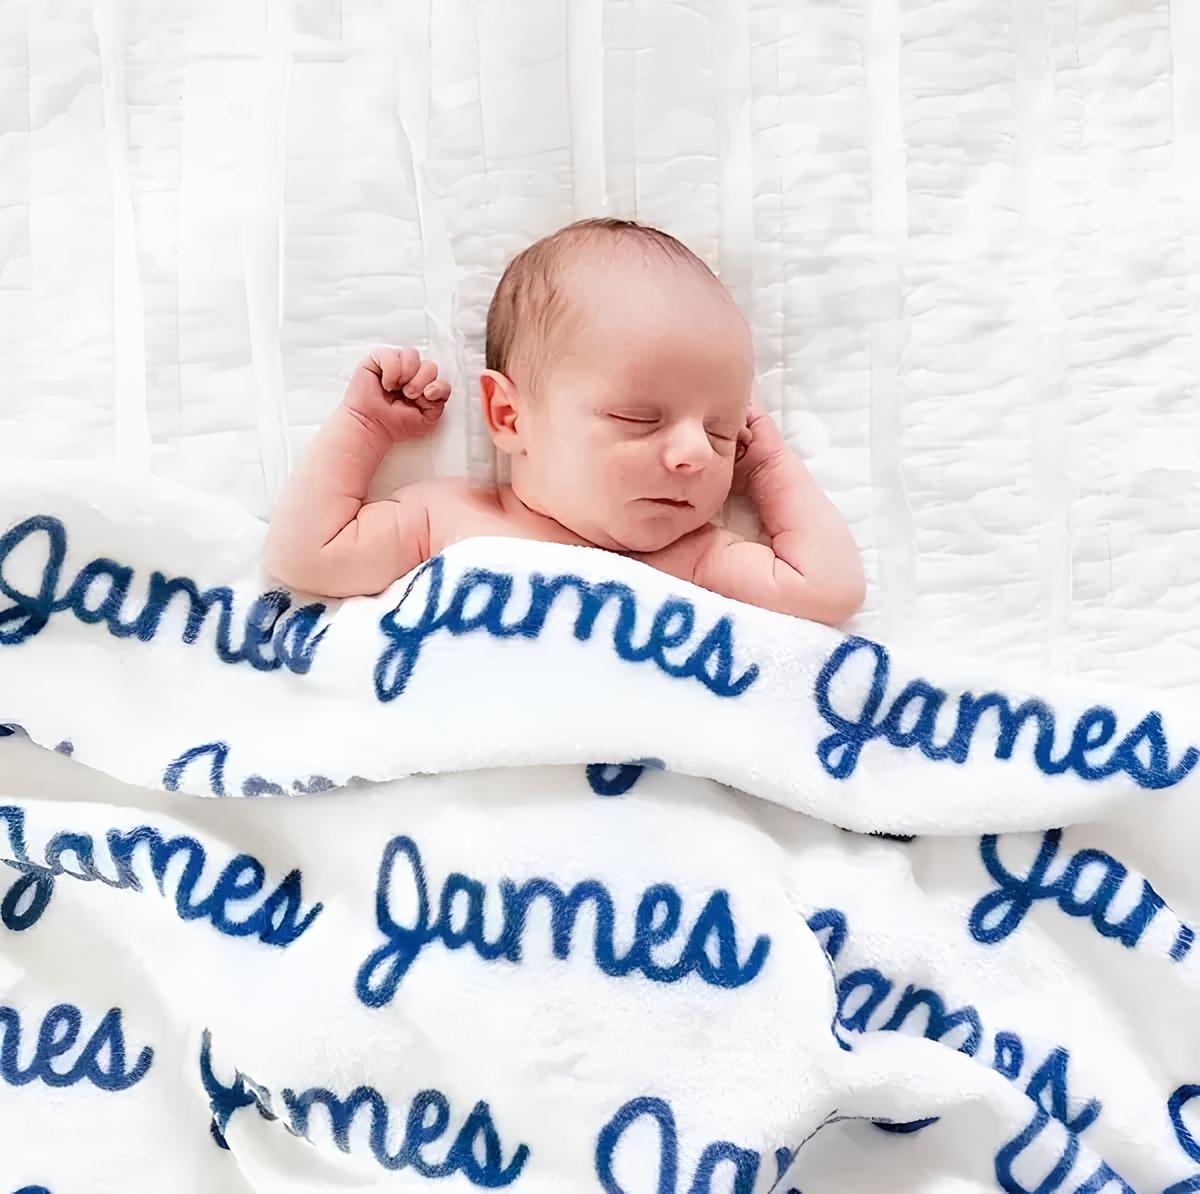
(325, 537)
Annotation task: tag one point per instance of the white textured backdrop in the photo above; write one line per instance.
(967, 234)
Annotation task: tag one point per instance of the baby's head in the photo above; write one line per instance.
(619, 373)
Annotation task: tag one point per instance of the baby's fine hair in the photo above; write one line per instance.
(531, 298)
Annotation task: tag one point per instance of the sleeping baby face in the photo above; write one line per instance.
(626, 432)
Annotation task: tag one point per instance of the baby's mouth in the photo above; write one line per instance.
(676, 503)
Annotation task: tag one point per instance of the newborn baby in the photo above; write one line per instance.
(619, 381)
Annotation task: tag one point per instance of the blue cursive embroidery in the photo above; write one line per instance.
(101, 1061)
(668, 644)
(740, 1166)
(911, 721)
(217, 755)
(277, 919)
(99, 592)
(1044, 1125)
(1000, 912)
(861, 995)
(476, 1151)
(459, 922)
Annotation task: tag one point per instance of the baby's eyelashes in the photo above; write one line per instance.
(644, 419)
(722, 438)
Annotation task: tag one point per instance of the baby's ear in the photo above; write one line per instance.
(500, 401)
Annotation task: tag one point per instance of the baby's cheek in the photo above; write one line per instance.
(723, 473)
(716, 492)
(632, 463)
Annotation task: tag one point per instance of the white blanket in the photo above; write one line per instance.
(564, 896)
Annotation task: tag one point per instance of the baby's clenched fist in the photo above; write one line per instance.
(759, 447)
(394, 390)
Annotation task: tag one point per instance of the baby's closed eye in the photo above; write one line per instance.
(635, 421)
(724, 439)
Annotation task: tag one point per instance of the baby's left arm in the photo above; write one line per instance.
(812, 567)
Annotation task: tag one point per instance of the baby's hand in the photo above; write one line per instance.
(396, 391)
(759, 446)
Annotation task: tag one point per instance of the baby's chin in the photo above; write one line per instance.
(655, 531)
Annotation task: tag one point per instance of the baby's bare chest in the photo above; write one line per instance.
(474, 515)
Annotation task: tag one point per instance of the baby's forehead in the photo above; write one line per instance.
(620, 313)
(648, 293)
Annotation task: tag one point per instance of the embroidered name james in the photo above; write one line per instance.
(459, 922)
(100, 593)
(480, 601)
(913, 716)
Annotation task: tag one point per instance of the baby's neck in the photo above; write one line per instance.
(537, 524)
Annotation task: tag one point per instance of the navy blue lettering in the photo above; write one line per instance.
(834, 922)
(877, 990)
(217, 756)
(744, 1162)
(475, 1151)
(26, 900)
(278, 920)
(721, 1154)
(1175, 1105)
(710, 950)
(224, 1100)
(1105, 1178)
(1014, 1148)
(861, 994)
(939, 1023)
(783, 1162)
(99, 594)
(911, 721)
(31, 611)
(58, 1035)
(1009, 1055)
(1051, 1077)
(108, 609)
(711, 662)
(855, 1017)
(1001, 911)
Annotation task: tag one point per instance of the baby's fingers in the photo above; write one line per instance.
(393, 366)
(744, 438)
(424, 376)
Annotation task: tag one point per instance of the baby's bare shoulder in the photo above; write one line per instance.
(434, 490)
(458, 509)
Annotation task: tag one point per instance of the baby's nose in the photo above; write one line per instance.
(687, 449)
